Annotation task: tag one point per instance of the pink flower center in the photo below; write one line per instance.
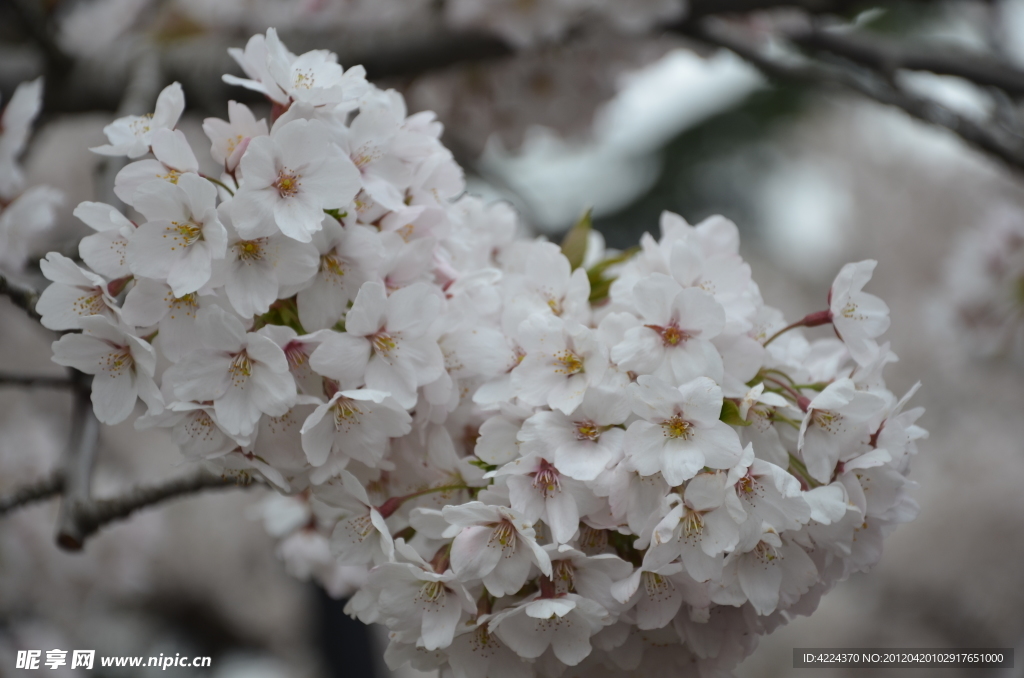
(563, 574)
(671, 335)
(295, 352)
(547, 479)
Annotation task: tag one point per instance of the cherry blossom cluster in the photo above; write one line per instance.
(984, 284)
(25, 212)
(522, 458)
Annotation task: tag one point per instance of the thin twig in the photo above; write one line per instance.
(84, 518)
(698, 9)
(37, 491)
(23, 296)
(35, 380)
(887, 56)
(989, 138)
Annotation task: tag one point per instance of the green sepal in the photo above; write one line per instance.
(282, 312)
(481, 464)
(574, 244)
(600, 285)
(731, 414)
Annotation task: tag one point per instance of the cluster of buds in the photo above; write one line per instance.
(523, 459)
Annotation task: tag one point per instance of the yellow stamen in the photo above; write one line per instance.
(677, 427)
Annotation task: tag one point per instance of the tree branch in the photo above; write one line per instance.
(197, 62)
(887, 56)
(703, 8)
(23, 296)
(989, 138)
(77, 466)
(39, 490)
(84, 518)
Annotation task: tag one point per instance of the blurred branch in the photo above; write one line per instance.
(197, 62)
(22, 296)
(703, 8)
(42, 489)
(887, 56)
(77, 466)
(85, 517)
(81, 515)
(32, 380)
(37, 27)
(990, 138)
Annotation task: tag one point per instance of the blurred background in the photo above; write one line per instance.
(623, 106)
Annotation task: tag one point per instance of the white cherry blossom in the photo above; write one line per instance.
(24, 222)
(388, 339)
(15, 126)
(538, 491)
(174, 157)
(74, 295)
(183, 235)
(859, 317)
(565, 624)
(585, 443)
(105, 250)
(349, 257)
(678, 325)
(133, 134)
(291, 176)
(354, 424)
(122, 365)
(230, 139)
(361, 536)
(151, 303)
(679, 432)
(836, 420)
(423, 602)
(256, 270)
(563, 359)
(245, 374)
(493, 544)
(478, 652)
